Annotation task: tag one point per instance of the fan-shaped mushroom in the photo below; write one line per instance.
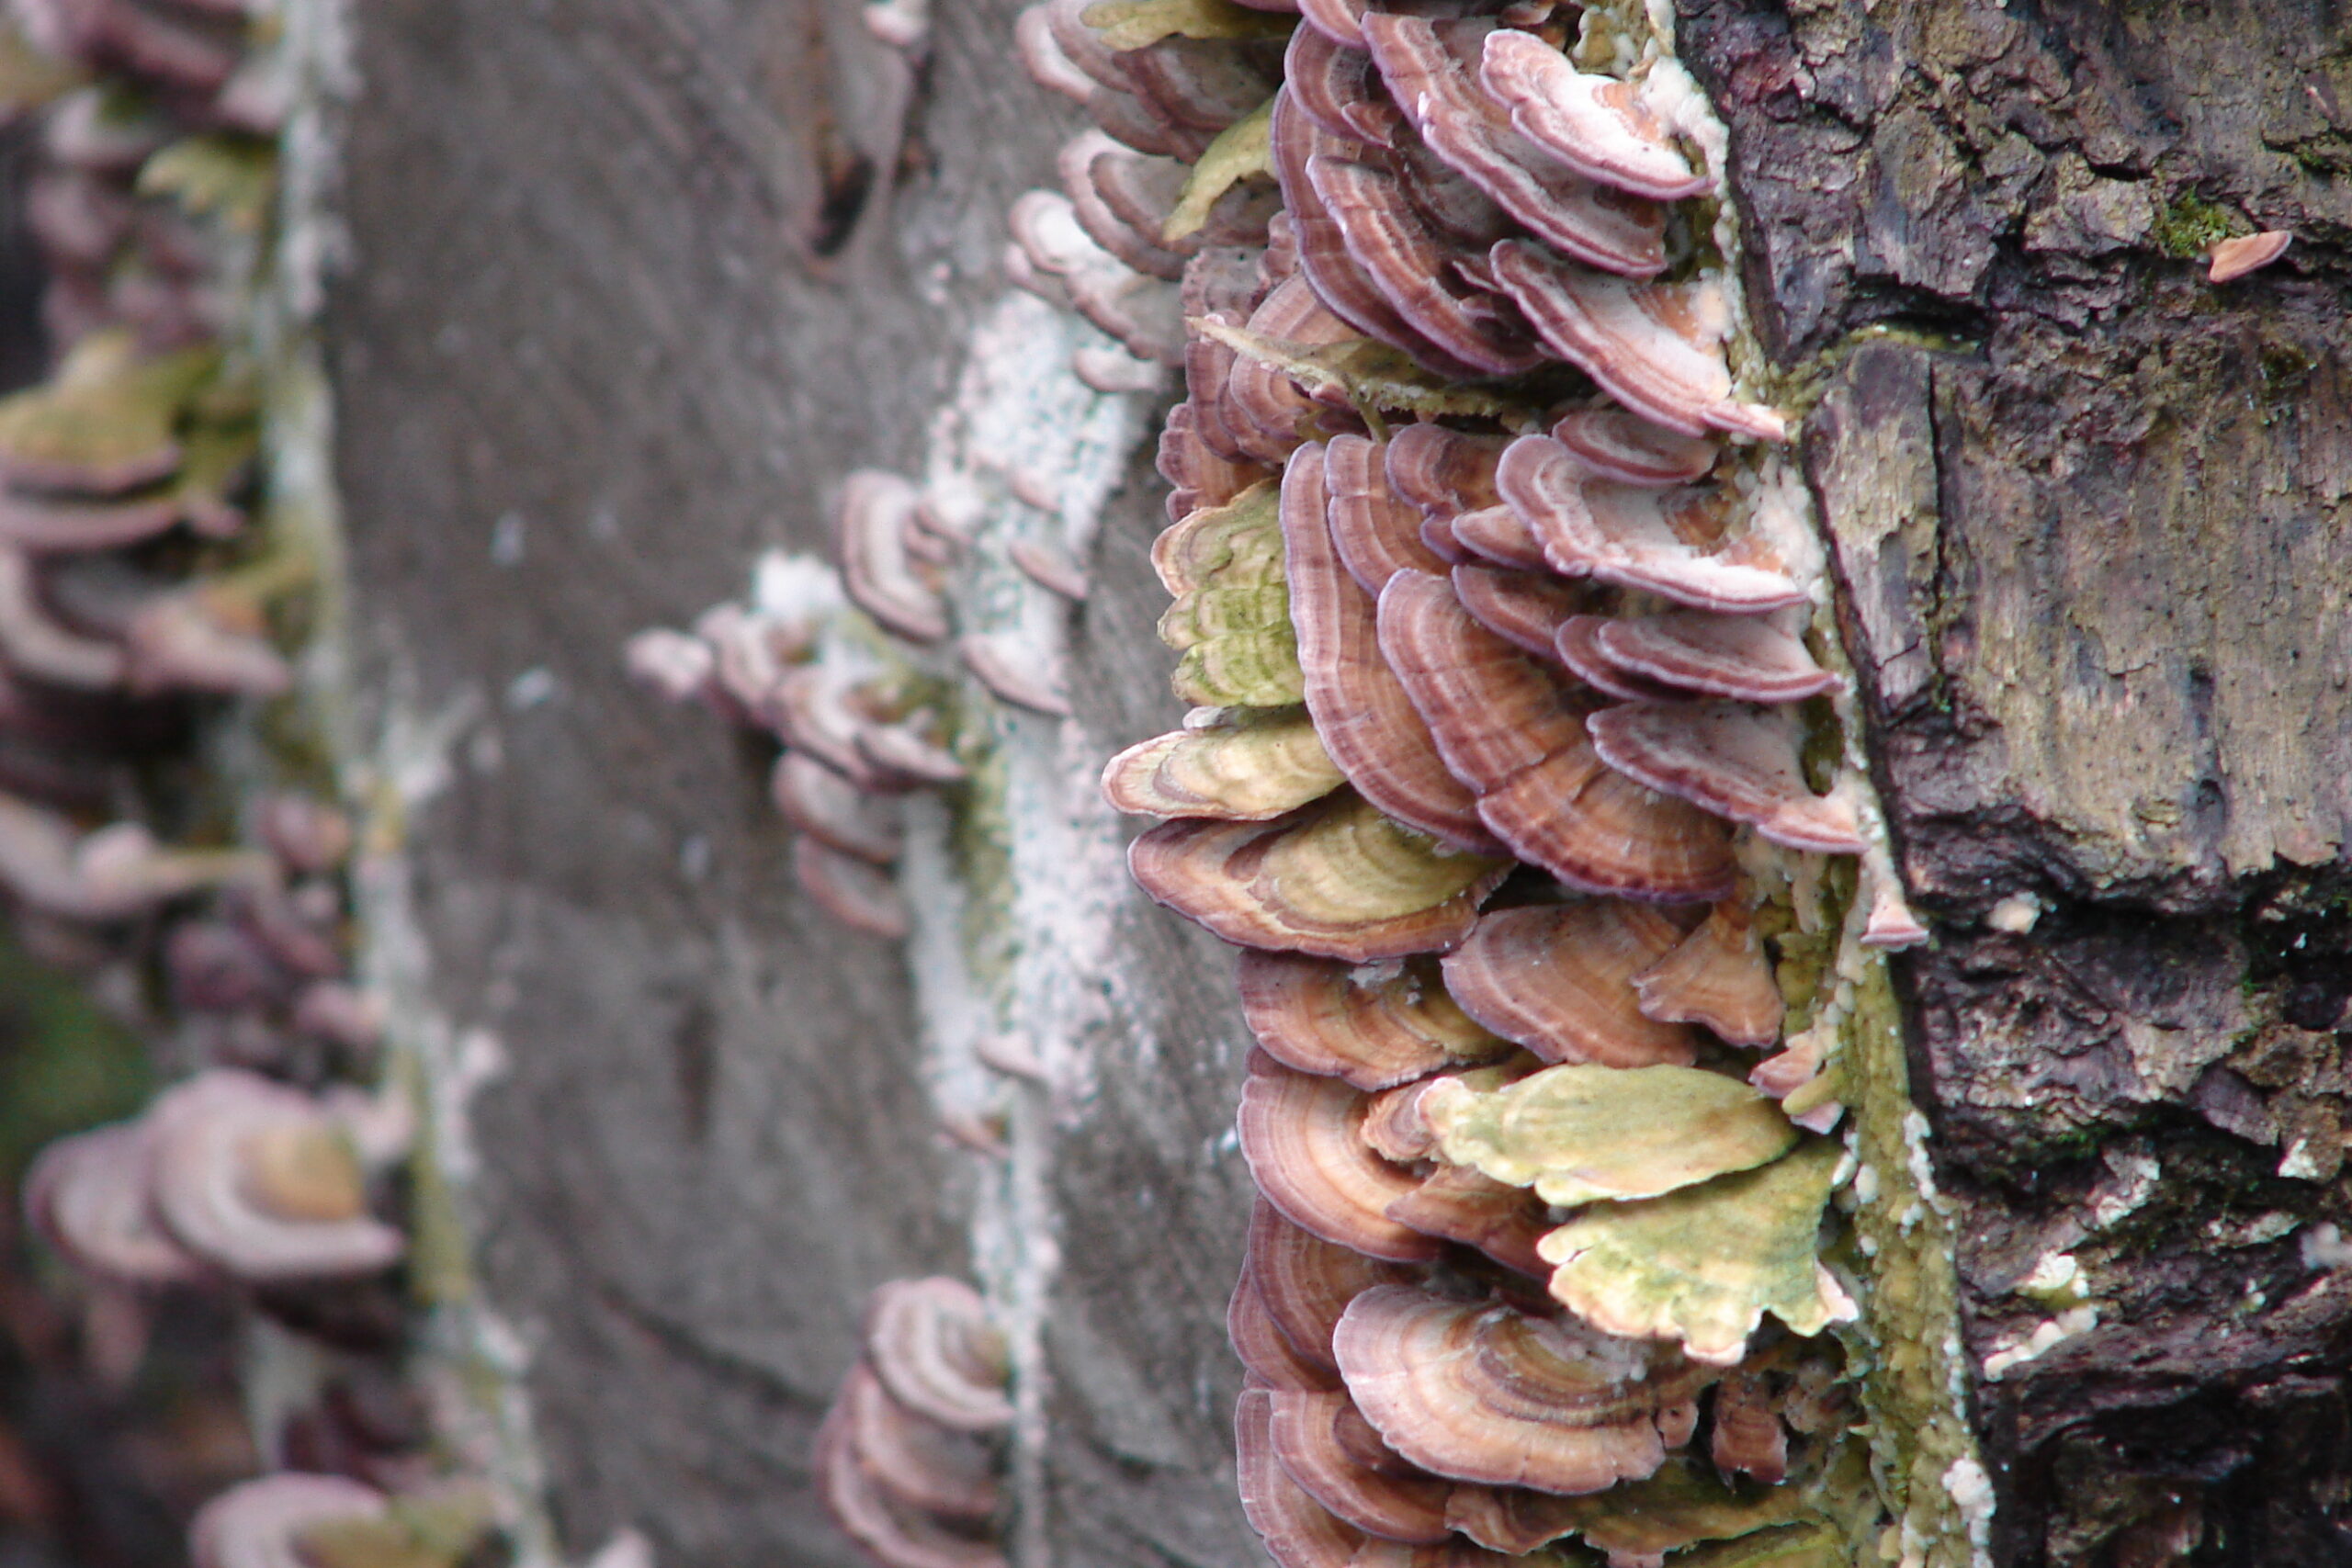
(1374, 1028)
(88, 1195)
(1324, 1445)
(827, 806)
(1298, 1531)
(858, 893)
(1558, 980)
(1377, 531)
(931, 1344)
(1305, 1282)
(1735, 761)
(1236, 769)
(1597, 125)
(1266, 1353)
(870, 528)
(1303, 1139)
(1717, 975)
(260, 1523)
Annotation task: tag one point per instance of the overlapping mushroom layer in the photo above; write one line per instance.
(905, 1460)
(1499, 610)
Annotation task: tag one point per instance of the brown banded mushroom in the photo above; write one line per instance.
(87, 1195)
(828, 808)
(1305, 1282)
(1237, 768)
(1428, 65)
(1490, 1394)
(260, 1523)
(1086, 163)
(870, 529)
(1467, 1206)
(1368, 722)
(1326, 1445)
(1302, 1137)
(890, 1533)
(1523, 609)
(1266, 1353)
(1619, 444)
(858, 893)
(1735, 761)
(934, 1469)
(1718, 977)
(263, 1182)
(1049, 568)
(1377, 531)
(1507, 726)
(1496, 534)
(931, 1344)
(1667, 541)
(1298, 1532)
(1655, 347)
(1395, 1127)
(1597, 125)
(1444, 472)
(1015, 672)
(1339, 88)
(1374, 1028)
(1747, 1438)
(1043, 57)
(1558, 980)
(1576, 643)
(1264, 407)
(1336, 879)
(1752, 659)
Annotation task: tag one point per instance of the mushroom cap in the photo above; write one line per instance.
(1265, 1350)
(1407, 261)
(2231, 259)
(1263, 406)
(827, 806)
(1087, 164)
(1749, 1438)
(1298, 1531)
(1655, 347)
(860, 894)
(1685, 1502)
(259, 1524)
(1324, 1445)
(1755, 659)
(870, 528)
(1050, 567)
(1558, 980)
(1488, 1393)
(1599, 831)
(1083, 46)
(1460, 1204)
(1523, 609)
(1304, 1283)
(929, 1467)
(1717, 975)
(1493, 712)
(1444, 472)
(1597, 125)
(1735, 761)
(1235, 770)
(931, 1344)
(1231, 619)
(1377, 531)
(1336, 878)
(1427, 64)
(1620, 444)
(1703, 1264)
(1368, 722)
(1580, 1134)
(1374, 1028)
(1499, 535)
(1302, 1137)
(261, 1182)
(1339, 88)
(891, 1534)
(1048, 65)
(89, 1195)
(1014, 671)
(1667, 541)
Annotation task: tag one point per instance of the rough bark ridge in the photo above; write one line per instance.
(2088, 510)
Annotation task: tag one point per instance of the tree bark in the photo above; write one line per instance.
(635, 284)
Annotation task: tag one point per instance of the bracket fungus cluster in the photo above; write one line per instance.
(1513, 767)
(906, 1459)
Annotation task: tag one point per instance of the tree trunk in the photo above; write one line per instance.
(635, 285)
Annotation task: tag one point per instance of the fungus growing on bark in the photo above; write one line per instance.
(828, 808)
(1622, 446)
(1735, 761)
(892, 1533)
(1655, 347)
(1580, 1133)
(1368, 722)
(261, 1523)
(1377, 531)
(1748, 1438)
(88, 1195)
(1049, 568)
(1305, 1282)
(871, 527)
(2229, 260)
(1558, 980)
(1265, 1350)
(1444, 472)
(1524, 610)
(1339, 88)
(1298, 1532)
(916, 1461)
(1237, 767)
(1717, 975)
(1493, 533)
(1639, 536)
(1336, 878)
(1464, 1205)
(1754, 658)
(1597, 125)
(1326, 1445)
(1703, 1264)
(1488, 1393)
(931, 1344)
(1015, 672)
(263, 1182)
(1231, 619)
(1635, 1524)
(858, 893)
(1092, 163)
(1302, 1137)
(1375, 1028)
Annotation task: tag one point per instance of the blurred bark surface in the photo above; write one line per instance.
(637, 282)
